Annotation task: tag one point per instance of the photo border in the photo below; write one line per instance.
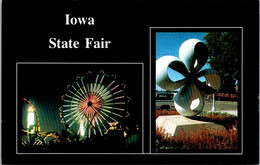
(153, 31)
(79, 63)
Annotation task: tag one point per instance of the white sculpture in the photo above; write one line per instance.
(193, 55)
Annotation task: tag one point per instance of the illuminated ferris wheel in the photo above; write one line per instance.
(93, 103)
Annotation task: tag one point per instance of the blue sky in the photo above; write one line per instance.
(168, 43)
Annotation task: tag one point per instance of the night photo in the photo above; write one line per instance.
(79, 108)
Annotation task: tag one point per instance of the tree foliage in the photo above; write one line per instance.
(224, 53)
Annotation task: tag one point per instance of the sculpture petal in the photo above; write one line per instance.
(189, 100)
(213, 81)
(162, 77)
(194, 54)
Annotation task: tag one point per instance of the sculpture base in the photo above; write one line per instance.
(177, 125)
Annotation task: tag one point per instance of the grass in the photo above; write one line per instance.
(220, 105)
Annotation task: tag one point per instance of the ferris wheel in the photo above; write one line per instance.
(93, 103)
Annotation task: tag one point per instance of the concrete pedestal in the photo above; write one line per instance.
(174, 125)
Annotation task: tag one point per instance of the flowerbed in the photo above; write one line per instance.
(203, 138)
(166, 112)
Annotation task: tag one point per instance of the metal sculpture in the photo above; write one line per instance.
(193, 55)
(92, 103)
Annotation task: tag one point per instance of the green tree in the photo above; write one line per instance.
(224, 53)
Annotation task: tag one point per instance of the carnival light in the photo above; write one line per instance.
(91, 103)
(30, 117)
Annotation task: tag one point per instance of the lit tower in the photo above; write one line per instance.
(30, 119)
(33, 123)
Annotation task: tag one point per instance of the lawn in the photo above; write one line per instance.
(220, 105)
